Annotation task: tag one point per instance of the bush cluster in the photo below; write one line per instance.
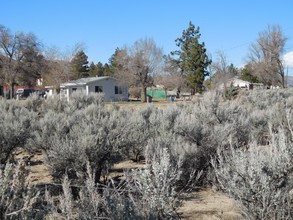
(242, 144)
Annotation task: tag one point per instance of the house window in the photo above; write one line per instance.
(98, 89)
(63, 91)
(74, 89)
(118, 90)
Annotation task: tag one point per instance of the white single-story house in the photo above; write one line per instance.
(239, 83)
(113, 89)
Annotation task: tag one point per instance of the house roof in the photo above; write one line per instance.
(238, 80)
(85, 81)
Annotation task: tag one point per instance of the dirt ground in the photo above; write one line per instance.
(208, 204)
(204, 204)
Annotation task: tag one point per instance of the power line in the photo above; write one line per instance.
(288, 28)
(247, 43)
(240, 45)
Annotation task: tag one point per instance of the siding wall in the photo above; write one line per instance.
(108, 86)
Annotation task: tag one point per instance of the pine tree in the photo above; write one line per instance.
(246, 73)
(108, 70)
(100, 69)
(232, 70)
(192, 58)
(114, 66)
(79, 65)
(93, 69)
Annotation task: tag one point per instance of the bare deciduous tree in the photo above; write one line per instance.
(172, 76)
(221, 70)
(266, 56)
(59, 68)
(138, 64)
(171, 81)
(19, 53)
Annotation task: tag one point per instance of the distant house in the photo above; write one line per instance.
(239, 83)
(112, 88)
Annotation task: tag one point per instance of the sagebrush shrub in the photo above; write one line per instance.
(93, 133)
(259, 178)
(17, 126)
(142, 128)
(154, 187)
(78, 100)
(208, 124)
(82, 138)
(147, 193)
(34, 102)
(17, 198)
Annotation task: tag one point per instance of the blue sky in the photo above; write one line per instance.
(226, 25)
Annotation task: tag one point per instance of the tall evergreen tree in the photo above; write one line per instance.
(114, 67)
(79, 65)
(246, 73)
(233, 71)
(108, 70)
(112, 59)
(192, 58)
(93, 69)
(100, 69)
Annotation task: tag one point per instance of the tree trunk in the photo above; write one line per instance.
(143, 94)
(281, 72)
(199, 88)
(11, 90)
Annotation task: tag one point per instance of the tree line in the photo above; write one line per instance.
(23, 60)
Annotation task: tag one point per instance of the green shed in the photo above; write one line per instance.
(157, 93)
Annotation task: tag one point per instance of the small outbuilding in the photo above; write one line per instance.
(157, 93)
(50, 91)
(113, 89)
